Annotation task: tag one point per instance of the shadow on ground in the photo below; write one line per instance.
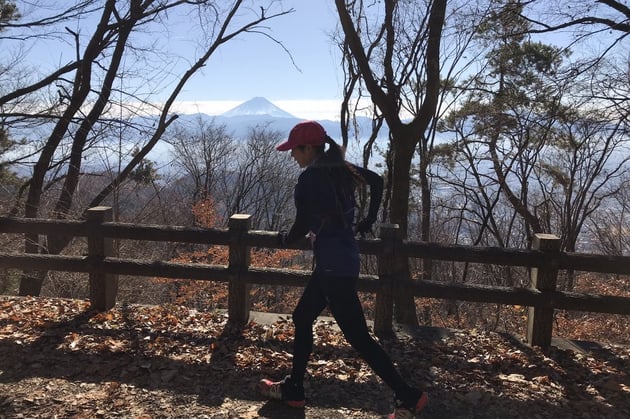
(128, 365)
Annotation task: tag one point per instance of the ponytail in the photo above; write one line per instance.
(344, 179)
(334, 160)
(334, 154)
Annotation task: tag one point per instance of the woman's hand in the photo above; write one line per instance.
(364, 226)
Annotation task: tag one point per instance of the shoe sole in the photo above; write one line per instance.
(296, 404)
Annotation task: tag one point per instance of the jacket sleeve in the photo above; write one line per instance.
(300, 226)
(375, 183)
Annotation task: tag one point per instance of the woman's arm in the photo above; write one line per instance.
(300, 225)
(375, 183)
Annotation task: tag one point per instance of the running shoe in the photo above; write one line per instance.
(284, 390)
(404, 411)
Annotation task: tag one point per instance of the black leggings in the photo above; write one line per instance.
(340, 295)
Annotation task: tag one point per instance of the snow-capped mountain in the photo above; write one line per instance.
(255, 107)
(259, 111)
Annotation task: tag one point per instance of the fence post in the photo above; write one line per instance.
(390, 234)
(238, 295)
(544, 279)
(103, 287)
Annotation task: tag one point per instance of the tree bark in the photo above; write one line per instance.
(405, 137)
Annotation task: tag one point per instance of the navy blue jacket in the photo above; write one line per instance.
(326, 212)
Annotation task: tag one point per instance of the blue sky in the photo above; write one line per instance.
(254, 66)
(245, 67)
(249, 66)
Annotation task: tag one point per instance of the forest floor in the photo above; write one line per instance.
(58, 359)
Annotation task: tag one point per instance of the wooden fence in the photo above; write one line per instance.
(542, 297)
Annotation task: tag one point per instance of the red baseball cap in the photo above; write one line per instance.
(304, 133)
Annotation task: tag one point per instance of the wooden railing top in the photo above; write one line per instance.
(260, 238)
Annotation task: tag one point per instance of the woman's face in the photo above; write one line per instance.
(303, 155)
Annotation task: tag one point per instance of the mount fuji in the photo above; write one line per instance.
(257, 106)
(259, 111)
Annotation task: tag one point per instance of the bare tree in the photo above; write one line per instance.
(403, 42)
(526, 132)
(260, 180)
(239, 175)
(601, 27)
(555, 15)
(84, 88)
(507, 118)
(203, 154)
(610, 225)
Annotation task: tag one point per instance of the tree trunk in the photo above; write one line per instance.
(105, 34)
(403, 149)
(425, 209)
(31, 282)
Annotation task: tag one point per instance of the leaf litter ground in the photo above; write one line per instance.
(59, 359)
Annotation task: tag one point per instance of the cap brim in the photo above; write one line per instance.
(284, 146)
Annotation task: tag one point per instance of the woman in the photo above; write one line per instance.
(325, 204)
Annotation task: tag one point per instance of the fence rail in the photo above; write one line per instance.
(542, 297)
